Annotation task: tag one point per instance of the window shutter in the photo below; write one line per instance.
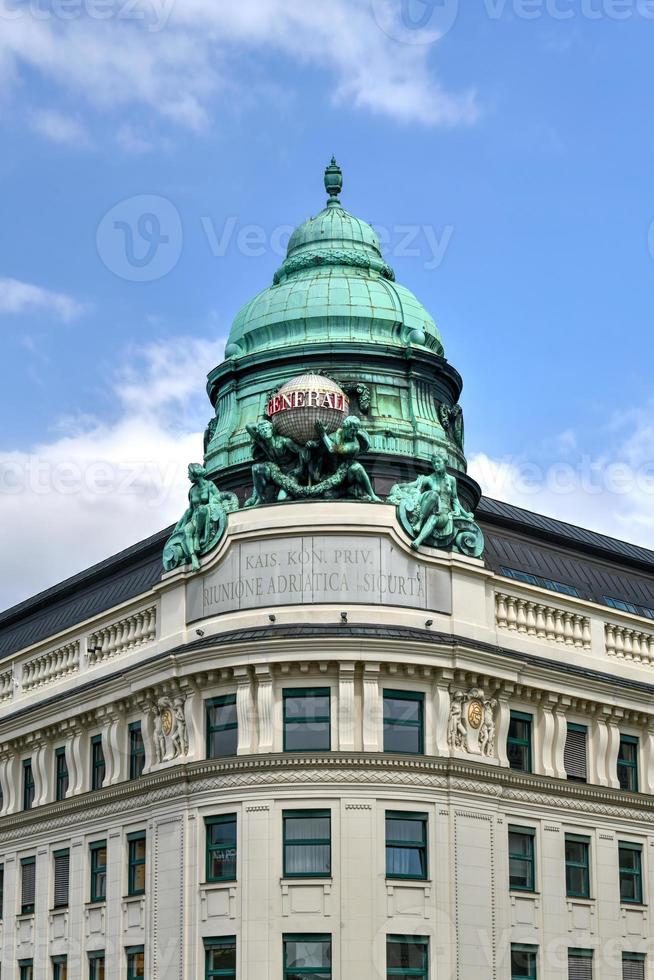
(633, 968)
(28, 882)
(62, 877)
(580, 967)
(575, 753)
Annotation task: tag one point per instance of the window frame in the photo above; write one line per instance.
(57, 963)
(579, 729)
(96, 870)
(629, 767)
(27, 908)
(576, 953)
(134, 863)
(530, 859)
(29, 784)
(396, 939)
(136, 751)
(308, 937)
(636, 874)
(96, 766)
(63, 852)
(62, 778)
(630, 957)
(400, 695)
(23, 966)
(212, 821)
(222, 942)
(307, 692)
(583, 865)
(318, 814)
(219, 702)
(523, 743)
(422, 847)
(95, 957)
(532, 951)
(2, 891)
(131, 951)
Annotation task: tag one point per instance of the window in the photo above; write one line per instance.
(99, 871)
(136, 750)
(307, 957)
(628, 763)
(544, 583)
(136, 863)
(26, 969)
(518, 743)
(577, 866)
(523, 962)
(406, 845)
(575, 753)
(61, 878)
(620, 604)
(403, 722)
(135, 963)
(2, 890)
(98, 766)
(28, 785)
(222, 727)
(407, 956)
(59, 968)
(633, 966)
(96, 965)
(631, 873)
(522, 863)
(580, 964)
(307, 719)
(307, 843)
(61, 774)
(221, 847)
(27, 885)
(220, 958)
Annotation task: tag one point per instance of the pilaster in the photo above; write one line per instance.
(372, 709)
(346, 706)
(265, 707)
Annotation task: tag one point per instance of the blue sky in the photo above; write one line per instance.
(504, 146)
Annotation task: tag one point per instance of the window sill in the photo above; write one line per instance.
(306, 880)
(134, 895)
(219, 883)
(581, 900)
(390, 880)
(58, 909)
(634, 906)
(95, 903)
(523, 893)
(23, 916)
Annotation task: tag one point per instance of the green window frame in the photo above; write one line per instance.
(519, 741)
(220, 958)
(307, 836)
(29, 787)
(577, 866)
(59, 968)
(2, 891)
(628, 763)
(61, 774)
(221, 847)
(407, 956)
(633, 966)
(307, 719)
(406, 846)
(61, 861)
(307, 955)
(135, 962)
(98, 763)
(136, 750)
(221, 726)
(27, 885)
(136, 863)
(630, 862)
(26, 969)
(524, 962)
(404, 722)
(97, 965)
(522, 859)
(98, 854)
(580, 963)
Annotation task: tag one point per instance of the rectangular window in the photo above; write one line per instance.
(633, 966)
(577, 866)
(136, 750)
(98, 851)
(2, 890)
(26, 969)
(61, 878)
(524, 961)
(61, 774)
(576, 766)
(631, 873)
(136, 847)
(28, 785)
(522, 859)
(407, 956)
(222, 727)
(544, 583)
(27, 885)
(59, 968)
(307, 843)
(96, 965)
(518, 743)
(307, 957)
(98, 766)
(220, 958)
(307, 719)
(406, 845)
(628, 763)
(221, 847)
(135, 963)
(580, 964)
(404, 722)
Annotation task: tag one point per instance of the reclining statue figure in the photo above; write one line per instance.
(202, 525)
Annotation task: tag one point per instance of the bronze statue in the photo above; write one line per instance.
(203, 523)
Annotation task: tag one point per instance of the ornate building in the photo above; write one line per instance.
(345, 720)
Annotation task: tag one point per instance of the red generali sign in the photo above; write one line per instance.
(309, 398)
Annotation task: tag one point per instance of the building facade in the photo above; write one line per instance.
(343, 734)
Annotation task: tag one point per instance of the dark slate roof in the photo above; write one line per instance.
(593, 563)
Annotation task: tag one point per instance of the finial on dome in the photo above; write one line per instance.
(333, 181)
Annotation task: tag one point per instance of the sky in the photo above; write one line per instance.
(155, 156)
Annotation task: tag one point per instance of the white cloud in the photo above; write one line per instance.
(181, 55)
(100, 486)
(24, 297)
(59, 128)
